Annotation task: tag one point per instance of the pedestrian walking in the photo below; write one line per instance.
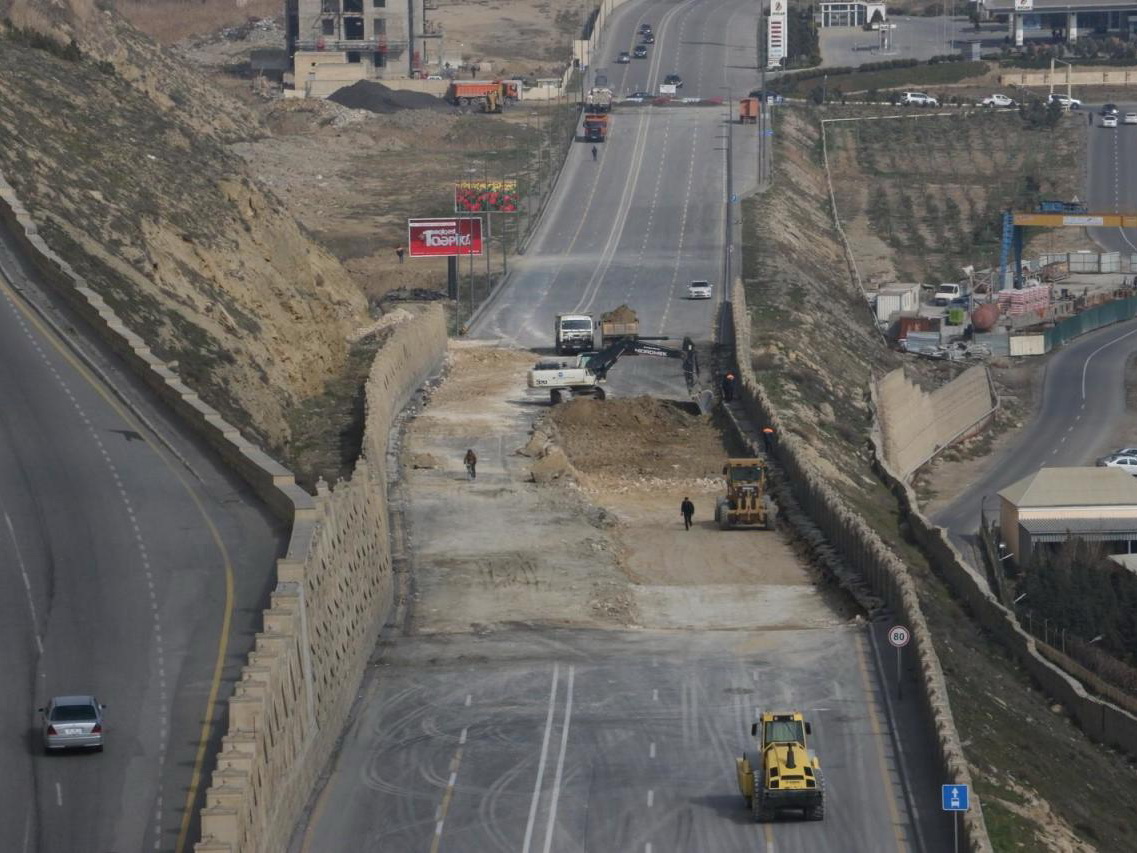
(593, 152)
(728, 388)
(768, 439)
(471, 460)
(688, 511)
(400, 251)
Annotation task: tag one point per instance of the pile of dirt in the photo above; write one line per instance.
(377, 98)
(638, 437)
(623, 314)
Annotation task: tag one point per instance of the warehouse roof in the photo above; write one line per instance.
(1102, 529)
(1055, 487)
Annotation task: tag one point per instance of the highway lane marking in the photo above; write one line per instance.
(1086, 363)
(651, 751)
(541, 763)
(27, 584)
(442, 810)
(58, 794)
(878, 740)
(769, 833)
(650, 798)
(655, 696)
(682, 234)
(647, 847)
(560, 764)
(64, 352)
(468, 697)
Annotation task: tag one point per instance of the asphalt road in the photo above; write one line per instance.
(120, 563)
(1081, 414)
(546, 739)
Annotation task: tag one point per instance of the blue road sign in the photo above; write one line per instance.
(769, 133)
(956, 798)
(734, 198)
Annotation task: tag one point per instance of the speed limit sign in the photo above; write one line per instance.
(899, 636)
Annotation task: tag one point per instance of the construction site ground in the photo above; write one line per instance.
(602, 542)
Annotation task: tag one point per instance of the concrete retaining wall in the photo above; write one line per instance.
(1097, 77)
(334, 591)
(333, 588)
(867, 554)
(916, 425)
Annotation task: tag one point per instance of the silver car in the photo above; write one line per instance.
(73, 722)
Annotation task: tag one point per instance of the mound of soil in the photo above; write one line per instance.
(623, 314)
(639, 437)
(377, 98)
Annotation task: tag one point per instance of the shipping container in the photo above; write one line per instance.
(892, 300)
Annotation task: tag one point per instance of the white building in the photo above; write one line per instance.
(849, 13)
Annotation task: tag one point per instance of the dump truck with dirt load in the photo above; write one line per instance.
(595, 127)
(784, 773)
(618, 323)
(746, 503)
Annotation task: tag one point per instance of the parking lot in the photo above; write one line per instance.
(913, 38)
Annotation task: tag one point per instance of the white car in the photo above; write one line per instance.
(998, 100)
(1125, 463)
(699, 290)
(920, 99)
(1065, 102)
(1109, 121)
(1130, 118)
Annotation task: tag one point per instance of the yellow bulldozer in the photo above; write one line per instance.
(746, 503)
(784, 774)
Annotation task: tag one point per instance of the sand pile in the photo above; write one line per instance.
(623, 314)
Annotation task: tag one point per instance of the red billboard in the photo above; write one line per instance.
(437, 238)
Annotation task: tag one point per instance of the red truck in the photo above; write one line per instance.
(748, 110)
(595, 127)
(473, 92)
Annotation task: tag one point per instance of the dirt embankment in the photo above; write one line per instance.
(124, 166)
(815, 350)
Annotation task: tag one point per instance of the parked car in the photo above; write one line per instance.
(1130, 118)
(624, 58)
(673, 80)
(1125, 463)
(1109, 121)
(73, 722)
(1067, 103)
(997, 100)
(640, 97)
(921, 99)
(647, 38)
(1109, 110)
(699, 290)
(640, 52)
(1122, 451)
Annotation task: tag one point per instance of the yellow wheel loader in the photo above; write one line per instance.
(746, 503)
(783, 774)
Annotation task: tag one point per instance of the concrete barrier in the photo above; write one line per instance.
(334, 585)
(1077, 77)
(916, 425)
(868, 555)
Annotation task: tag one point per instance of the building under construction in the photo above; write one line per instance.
(334, 43)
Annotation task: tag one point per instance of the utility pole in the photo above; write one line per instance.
(763, 61)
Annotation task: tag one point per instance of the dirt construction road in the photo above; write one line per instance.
(578, 671)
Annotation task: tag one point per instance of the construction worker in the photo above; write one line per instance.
(687, 509)
(399, 250)
(728, 387)
(768, 439)
(471, 460)
(593, 152)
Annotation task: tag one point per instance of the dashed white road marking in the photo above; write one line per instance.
(27, 584)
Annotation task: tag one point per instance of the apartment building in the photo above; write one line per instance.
(346, 40)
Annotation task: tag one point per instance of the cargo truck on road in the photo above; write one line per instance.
(595, 127)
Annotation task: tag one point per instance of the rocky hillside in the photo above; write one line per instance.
(119, 153)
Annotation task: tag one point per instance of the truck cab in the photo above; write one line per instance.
(573, 333)
(946, 294)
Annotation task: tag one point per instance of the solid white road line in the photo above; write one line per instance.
(1086, 363)
(541, 763)
(560, 764)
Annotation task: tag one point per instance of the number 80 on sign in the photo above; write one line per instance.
(899, 636)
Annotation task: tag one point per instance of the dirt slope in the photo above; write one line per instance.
(123, 164)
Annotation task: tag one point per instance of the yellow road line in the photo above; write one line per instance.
(96, 384)
(878, 738)
(455, 763)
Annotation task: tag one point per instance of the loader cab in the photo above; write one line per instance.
(744, 472)
(782, 729)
